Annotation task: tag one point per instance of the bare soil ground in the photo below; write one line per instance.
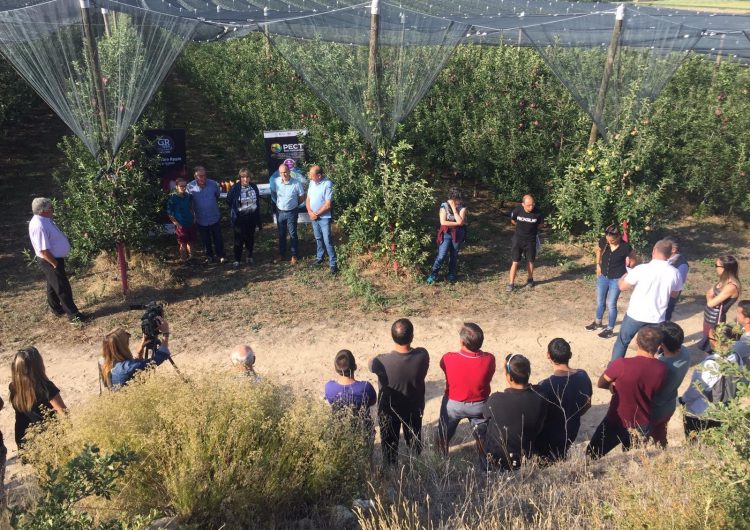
(297, 318)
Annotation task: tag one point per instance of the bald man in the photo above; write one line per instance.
(243, 360)
(318, 204)
(527, 218)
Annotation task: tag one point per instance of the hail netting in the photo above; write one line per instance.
(331, 53)
(133, 51)
(648, 51)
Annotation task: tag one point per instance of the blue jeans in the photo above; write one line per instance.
(209, 233)
(287, 222)
(322, 231)
(447, 248)
(628, 329)
(452, 412)
(607, 291)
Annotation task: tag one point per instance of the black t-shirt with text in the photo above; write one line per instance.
(613, 261)
(401, 377)
(527, 223)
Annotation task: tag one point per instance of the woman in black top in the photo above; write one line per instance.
(31, 392)
(613, 255)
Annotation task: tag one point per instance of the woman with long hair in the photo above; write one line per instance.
(613, 257)
(720, 298)
(118, 366)
(31, 392)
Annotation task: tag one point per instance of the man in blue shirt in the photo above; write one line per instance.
(205, 193)
(318, 204)
(288, 194)
(51, 247)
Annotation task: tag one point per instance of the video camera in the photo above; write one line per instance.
(149, 324)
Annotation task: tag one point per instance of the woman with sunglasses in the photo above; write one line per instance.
(613, 257)
(118, 366)
(31, 392)
(720, 298)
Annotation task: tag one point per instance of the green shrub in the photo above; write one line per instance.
(216, 450)
(88, 474)
(623, 179)
(101, 208)
(388, 210)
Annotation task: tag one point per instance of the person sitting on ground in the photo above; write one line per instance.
(401, 378)
(32, 394)
(451, 235)
(515, 417)
(633, 382)
(243, 360)
(180, 212)
(720, 298)
(708, 374)
(468, 374)
(346, 391)
(677, 360)
(613, 257)
(568, 394)
(118, 366)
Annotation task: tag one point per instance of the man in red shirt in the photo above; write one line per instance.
(633, 382)
(468, 373)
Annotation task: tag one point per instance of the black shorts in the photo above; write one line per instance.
(523, 248)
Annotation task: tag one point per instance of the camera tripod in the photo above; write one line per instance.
(149, 351)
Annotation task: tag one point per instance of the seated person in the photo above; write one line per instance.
(243, 360)
(515, 416)
(345, 391)
(568, 395)
(118, 366)
(468, 373)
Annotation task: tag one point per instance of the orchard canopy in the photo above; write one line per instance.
(97, 63)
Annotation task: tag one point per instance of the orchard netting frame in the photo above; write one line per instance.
(48, 43)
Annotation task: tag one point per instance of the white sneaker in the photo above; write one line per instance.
(236, 264)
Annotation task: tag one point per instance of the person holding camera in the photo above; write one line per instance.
(118, 366)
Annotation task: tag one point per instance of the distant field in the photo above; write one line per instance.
(737, 6)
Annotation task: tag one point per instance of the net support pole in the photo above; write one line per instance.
(372, 61)
(614, 44)
(96, 74)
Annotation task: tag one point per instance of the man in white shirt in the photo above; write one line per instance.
(51, 247)
(653, 284)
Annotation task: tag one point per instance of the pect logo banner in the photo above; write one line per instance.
(284, 145)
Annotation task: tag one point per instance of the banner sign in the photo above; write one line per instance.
(169, 146)
(285, 145)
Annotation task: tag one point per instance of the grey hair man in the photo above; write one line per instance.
(243, 361)
(653, 283)
(527, 219)
(51, 247)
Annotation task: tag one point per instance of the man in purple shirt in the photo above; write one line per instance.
(51, 248)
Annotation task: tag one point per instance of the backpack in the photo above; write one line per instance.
(725, 388)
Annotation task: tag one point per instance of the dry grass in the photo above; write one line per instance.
(216, 451)
(645, 488)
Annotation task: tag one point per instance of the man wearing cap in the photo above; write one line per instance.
(51, 247)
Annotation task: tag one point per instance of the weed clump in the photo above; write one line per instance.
(216, 450)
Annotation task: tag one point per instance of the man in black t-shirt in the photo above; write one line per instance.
(515, 416)
(401, 374)
(526, 217)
